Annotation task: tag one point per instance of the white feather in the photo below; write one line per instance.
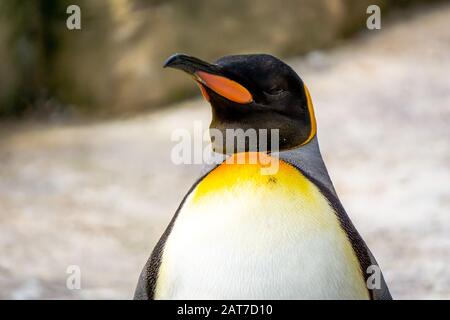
(259, 242)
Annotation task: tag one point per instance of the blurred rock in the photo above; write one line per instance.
(9, 81)
(122, 70)
(114, 63)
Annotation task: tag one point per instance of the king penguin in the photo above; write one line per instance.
(242, 233)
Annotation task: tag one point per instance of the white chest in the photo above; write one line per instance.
(257, 240)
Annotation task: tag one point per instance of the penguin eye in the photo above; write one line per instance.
(275, 93)
(274, 90)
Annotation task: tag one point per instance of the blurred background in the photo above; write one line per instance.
(86, 118)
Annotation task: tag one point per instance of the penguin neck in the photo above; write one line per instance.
(306, 158)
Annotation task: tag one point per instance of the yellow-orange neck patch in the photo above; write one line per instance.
(233, 173)
(204, 92)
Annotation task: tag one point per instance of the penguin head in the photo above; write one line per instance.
(256, 92)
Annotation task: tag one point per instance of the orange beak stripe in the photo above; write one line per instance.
(203, 91)
(227, 88)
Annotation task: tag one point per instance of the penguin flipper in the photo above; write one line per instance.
(147, 279)
(318, 175)
(145, 284)
(362, 251)
(141, 292)
(145, 289)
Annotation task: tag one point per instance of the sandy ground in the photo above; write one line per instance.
(99, 195)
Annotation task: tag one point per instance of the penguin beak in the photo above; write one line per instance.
(210, 76)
